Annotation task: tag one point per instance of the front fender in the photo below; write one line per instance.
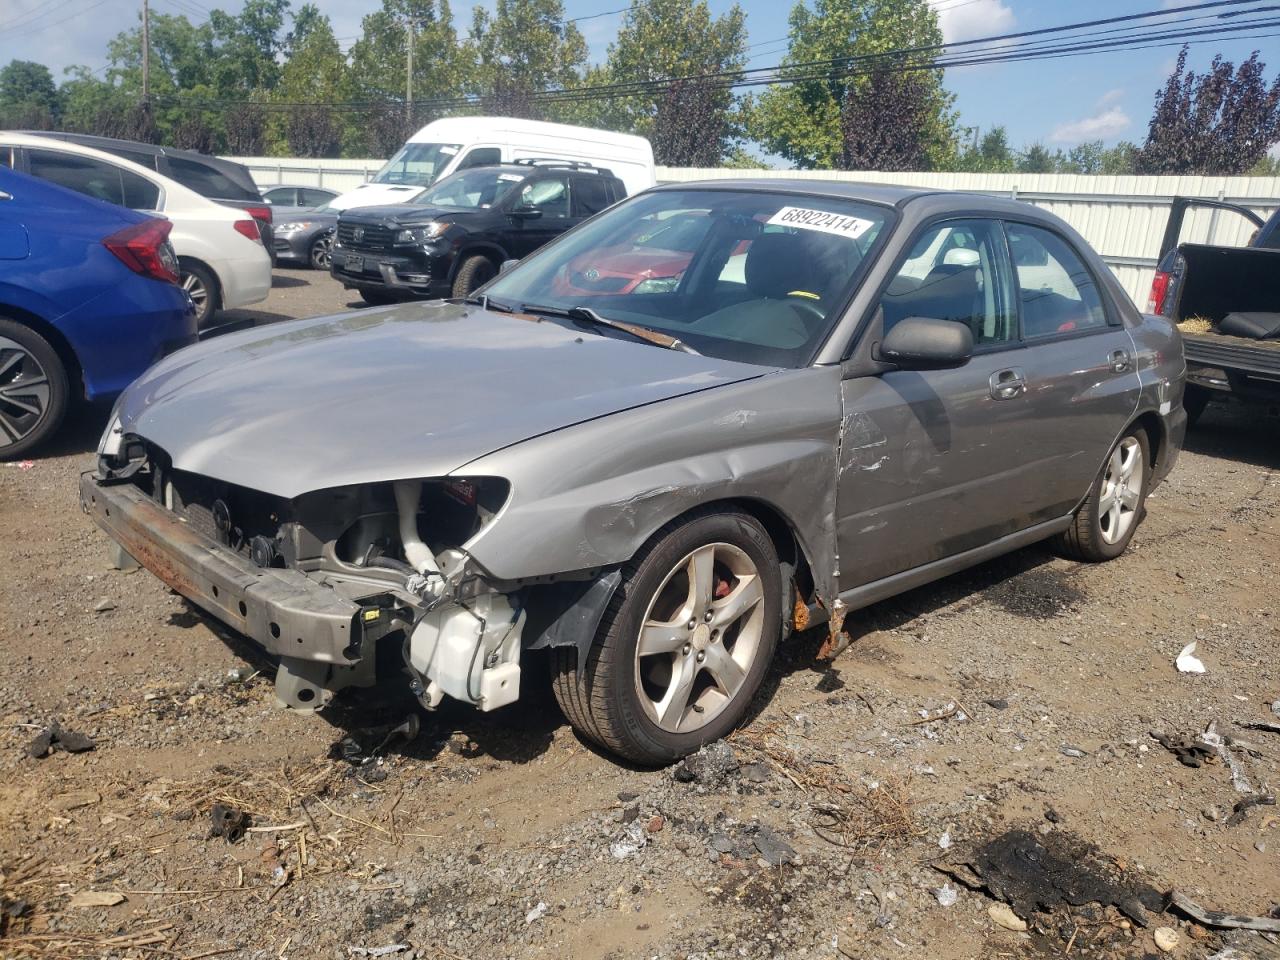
(589, 496)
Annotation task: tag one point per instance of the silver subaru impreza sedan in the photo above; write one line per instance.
(705, 418)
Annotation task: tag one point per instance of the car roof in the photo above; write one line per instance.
(237, 171)
(170, 185)
(886, 194)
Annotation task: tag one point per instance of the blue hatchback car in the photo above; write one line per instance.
(88, 300)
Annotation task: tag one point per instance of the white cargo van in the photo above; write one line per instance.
(446, 146)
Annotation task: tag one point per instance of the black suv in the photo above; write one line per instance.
(455, 236)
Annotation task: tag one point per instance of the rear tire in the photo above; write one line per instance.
(202, 286)
(377, 298)
(34, 392)
(1106, 521)
(475, 272)
(1194, 401)
(705, 595)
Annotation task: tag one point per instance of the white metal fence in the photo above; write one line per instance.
(1122, 217)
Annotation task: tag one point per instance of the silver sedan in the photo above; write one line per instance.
(656, 458)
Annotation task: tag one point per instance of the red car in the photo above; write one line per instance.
(650, 262)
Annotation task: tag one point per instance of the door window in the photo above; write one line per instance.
(956, 271)
(6, 157)
(314, 198)
(92, 177)
(1056, 290)
(480, 157)
(550, 195)
(281, 197)
(590, 196)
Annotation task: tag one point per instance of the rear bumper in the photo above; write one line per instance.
(245, 280)
(284, 611)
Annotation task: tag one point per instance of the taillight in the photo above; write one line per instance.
(259, 212)
(1159, 292)
(250, 229)
(144, 248)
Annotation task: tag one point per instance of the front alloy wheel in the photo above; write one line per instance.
(683, 645)
(322, 252)
(700, 637)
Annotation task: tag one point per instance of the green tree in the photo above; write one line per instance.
(1120, 160)
(695, 122)
(315, 73)
(28, 96)
(1037, 159)
(378, 69)
(1085, 158)
(989, 154)
(522, 48)
(801, 120)
(249, 46)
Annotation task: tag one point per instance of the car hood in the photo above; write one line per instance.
(416, 390)
(407, 213)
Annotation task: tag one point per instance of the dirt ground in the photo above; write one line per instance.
(1020, 696)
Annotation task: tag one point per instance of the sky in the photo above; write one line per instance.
(1059, 103)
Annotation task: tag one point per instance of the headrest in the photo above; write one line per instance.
(778, 264)
(961, 257)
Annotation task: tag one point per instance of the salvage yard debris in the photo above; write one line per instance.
(1216, 918)
(53, 738)
(1187, 662)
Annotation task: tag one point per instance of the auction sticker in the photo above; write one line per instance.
(839, 224)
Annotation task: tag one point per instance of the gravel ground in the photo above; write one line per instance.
(1013, 704)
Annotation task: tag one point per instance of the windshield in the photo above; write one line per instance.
(417, 163)
(477, 188)
(743, 275)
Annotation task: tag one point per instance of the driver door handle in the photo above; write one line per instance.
(1007, 384)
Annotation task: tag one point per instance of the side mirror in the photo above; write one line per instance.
(506, 265)
(922, 343)
(526, 211)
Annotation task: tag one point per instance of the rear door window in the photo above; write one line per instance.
(1057, 293)
(314, 198)
(6, 157)
(590, 196)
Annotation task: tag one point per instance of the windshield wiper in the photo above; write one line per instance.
(647, 334)
(484, 301)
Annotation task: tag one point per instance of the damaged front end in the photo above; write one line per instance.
(331, 579)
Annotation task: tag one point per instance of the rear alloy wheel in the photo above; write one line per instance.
(201, 286)
(322, 252)
(33, 390)
(1105, 523)
(683, 646)
(474, 273)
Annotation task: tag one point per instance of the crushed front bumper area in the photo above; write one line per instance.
(318, 635)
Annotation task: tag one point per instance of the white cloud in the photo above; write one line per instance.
(972, 19)
(1106, 122)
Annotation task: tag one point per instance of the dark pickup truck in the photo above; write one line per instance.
(1226, 302)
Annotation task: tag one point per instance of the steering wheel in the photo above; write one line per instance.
(811, 315)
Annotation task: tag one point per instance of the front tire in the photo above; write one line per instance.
(34, 392)
(202, 286)
(321, 254)
(475, 272)
(1106, 521)
(684, 644)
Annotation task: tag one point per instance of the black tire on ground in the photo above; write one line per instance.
(199, 281)
(320, 255)
(602, 699)
(475, 272)
(1194, 400)
(377, 298)
(34, 391)
(1099, 532)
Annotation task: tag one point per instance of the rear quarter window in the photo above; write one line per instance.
(207, 181)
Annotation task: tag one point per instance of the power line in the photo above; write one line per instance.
(728, 80)
(596, 16)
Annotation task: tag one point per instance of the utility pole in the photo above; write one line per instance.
(408, 80)
(146, 53)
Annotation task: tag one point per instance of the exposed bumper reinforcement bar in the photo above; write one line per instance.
(316, 632)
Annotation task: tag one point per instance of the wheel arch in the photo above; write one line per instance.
(61, 346)
(1157, 437)
(217, 278)
(487, 249)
